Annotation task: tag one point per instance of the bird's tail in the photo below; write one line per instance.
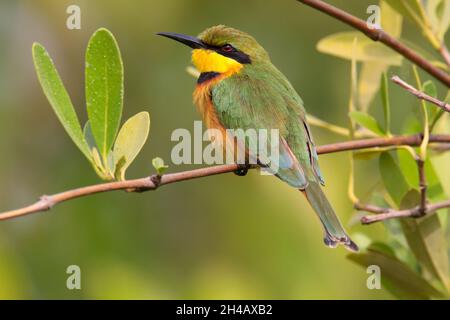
(334, 232)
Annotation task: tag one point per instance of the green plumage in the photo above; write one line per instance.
(259, 96)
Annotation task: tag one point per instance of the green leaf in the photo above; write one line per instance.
(56, 94)
(382, 248)
(437, 116)
(130, 140)
(100, 168)
(426, 239)
(367, 154)
(411, 124)
(408, 167)
(435, 113)
(444, 13)
(431, 10)
(104, 89)
(88, 137)
(414, 11)
(430, 89)
(119, 172)
(396, 276)
(392, 177)
(367, 121)
(371, 71)
(441, 161)
(369, 82)
(427, 54)
(341, 45)
(159, 165)
(410, 9)
(438, 13)
(391, 20)
(435, 189)
(385, 100)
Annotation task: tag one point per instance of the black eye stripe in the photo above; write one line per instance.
(237, 55)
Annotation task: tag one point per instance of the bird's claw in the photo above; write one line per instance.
(241, 171)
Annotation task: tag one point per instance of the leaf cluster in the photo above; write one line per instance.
(415, 259)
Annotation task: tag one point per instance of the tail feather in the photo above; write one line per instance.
(333, 229)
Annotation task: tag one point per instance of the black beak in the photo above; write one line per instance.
(190, 41)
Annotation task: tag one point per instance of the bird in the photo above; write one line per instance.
(239, 87)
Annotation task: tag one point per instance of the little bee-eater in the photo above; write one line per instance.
(240, 88)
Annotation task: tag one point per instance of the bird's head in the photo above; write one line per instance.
(222, 49)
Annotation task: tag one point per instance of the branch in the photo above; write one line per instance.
(380, 35)
(412, 140)
(153, 182)
(136, 185)
(421, 210)
(387, 213)
(421, 95)
(445, 54)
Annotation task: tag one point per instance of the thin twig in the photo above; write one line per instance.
(387, 213)
(370, 208)
(380, 35)
(153, 182)
(421, 95)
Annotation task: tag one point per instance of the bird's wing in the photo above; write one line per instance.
(262, 98)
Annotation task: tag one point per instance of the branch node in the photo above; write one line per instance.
(156, 179)
(365, 220)
(46, 201)
(419, 211)
(375, 34)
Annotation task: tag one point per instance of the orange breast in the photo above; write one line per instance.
(232, 148)
(203, 101)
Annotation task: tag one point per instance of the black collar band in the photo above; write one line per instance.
(205, 76)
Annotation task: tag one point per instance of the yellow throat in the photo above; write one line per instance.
(210, 61)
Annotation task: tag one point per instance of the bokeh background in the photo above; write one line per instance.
(213, 238)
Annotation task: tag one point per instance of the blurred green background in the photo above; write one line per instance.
(217, 237)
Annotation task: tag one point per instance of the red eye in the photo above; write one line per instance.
(227, 48)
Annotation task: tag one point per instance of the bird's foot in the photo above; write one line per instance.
(242, 171)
